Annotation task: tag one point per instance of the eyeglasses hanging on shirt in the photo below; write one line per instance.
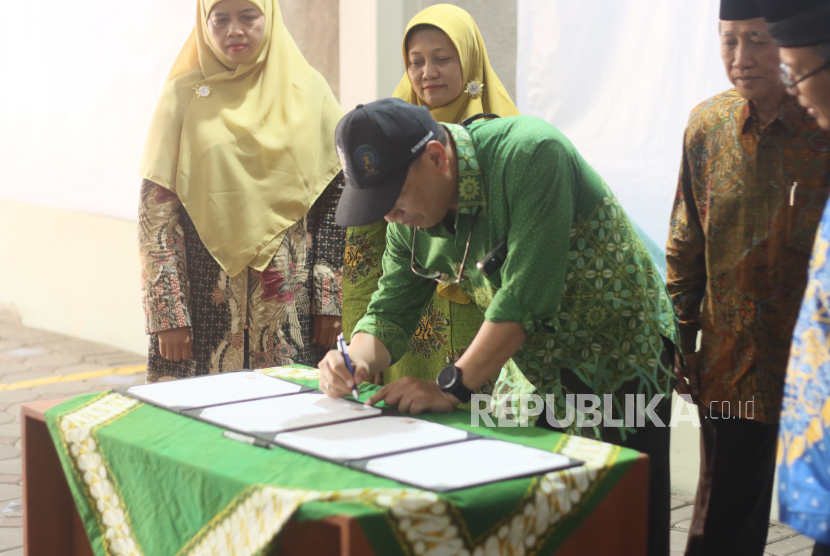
(441, 277)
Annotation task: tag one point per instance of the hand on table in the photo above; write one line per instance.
(412, 395)
(326, 329)
(176, 344)
(335, 379)
(688, 370)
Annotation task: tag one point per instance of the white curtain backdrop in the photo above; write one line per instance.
(619, 78)
(80, 82)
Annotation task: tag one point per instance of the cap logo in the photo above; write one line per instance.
(422, 142)
(366, 158)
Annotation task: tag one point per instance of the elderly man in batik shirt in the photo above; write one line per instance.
(752, 188)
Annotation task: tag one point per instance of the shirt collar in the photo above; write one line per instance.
(471, 198)
(787, 116)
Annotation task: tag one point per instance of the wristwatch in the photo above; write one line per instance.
(449, 380)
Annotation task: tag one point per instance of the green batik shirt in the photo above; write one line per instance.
(576, 276)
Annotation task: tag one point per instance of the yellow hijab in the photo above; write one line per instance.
(462, 30)
(249, 159)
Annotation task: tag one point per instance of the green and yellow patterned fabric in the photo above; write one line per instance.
(150, 482)
(577, 276)
(445, 330)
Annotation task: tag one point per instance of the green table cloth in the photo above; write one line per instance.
(148, 481)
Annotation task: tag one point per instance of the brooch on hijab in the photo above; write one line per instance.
(202, 91)
(474, 88)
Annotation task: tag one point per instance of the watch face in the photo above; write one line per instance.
(447, 377)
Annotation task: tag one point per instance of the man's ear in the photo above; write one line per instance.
(437, 155)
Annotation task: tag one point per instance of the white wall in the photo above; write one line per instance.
(72, 272)
(619, 78)
(75, 103)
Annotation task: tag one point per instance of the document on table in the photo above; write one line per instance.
(369, 437)
(266, 418)
(467, 464)
(204, 391)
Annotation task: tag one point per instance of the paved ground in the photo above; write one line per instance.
(40, 365)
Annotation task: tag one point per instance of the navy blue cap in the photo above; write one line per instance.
(797, 23)
(739, 10)
(376, 143)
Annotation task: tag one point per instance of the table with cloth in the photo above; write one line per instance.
(149, 481)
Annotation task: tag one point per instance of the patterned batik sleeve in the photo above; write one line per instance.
(329, 241)
(685, 257)
(164, 284)
(401, 299)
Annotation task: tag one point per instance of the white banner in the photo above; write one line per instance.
(619, 78)
(80, 82)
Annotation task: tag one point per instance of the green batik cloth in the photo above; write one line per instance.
(149, 481)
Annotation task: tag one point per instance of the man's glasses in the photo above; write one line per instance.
(786, 75)
(440, 277)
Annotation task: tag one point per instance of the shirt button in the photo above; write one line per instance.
(446, 322)
(449, 359)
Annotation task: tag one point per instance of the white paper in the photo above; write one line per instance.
(369, 437)
(466, 464)
(213, 390)
(286, 413)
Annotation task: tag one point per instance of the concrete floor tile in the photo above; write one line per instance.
(48, 371)
(59, 389)
(43, 343)
(11, 479)
(677, 503)
(19, 396)
(14, 410)
(807, 552)
(778, 531)
(82, 347)
(76, 368)
(122, 359)
(10, 430)
(15, 552)
(23, 333)
(17, 353)
(11, 522)
(53, 360)
(8, 452)
(683, 525)
(11, 466)
(6, 368)
(681, 514)
(11, 538)
(790, 546)
(6, 418)
(12, 508)
(677, 540)
(25, 375)
(10, 492)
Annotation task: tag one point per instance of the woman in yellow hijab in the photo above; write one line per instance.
(447, 70)
(240, 255)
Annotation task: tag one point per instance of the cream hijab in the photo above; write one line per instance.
(249, 159)
(462, 30)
